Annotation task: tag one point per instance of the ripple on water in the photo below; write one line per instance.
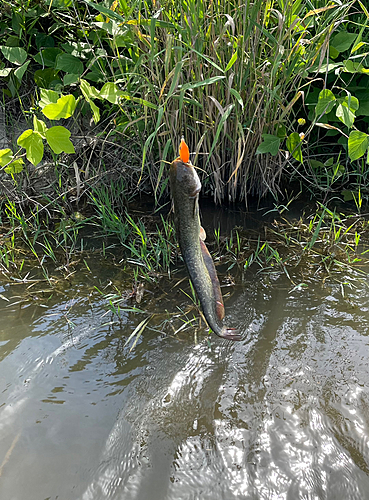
(283, 414)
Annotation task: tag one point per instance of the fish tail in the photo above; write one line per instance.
(229, 333)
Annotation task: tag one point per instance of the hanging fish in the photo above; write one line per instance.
(185, 187)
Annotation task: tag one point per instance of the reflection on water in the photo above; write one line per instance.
(284, 414)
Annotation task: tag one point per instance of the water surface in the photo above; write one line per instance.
(283, 414)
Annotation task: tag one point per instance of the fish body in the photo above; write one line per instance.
(185, 187)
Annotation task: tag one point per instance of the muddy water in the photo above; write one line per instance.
(284, 414)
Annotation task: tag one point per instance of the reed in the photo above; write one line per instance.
(222, 74)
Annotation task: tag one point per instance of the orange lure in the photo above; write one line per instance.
(184, 152)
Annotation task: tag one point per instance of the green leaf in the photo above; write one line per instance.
(15, 167)
(47, 57)
(354, 67)
(19, 72)
(5, 72)
(237, 96)
(343, 40)
(95, 110)
(232, 60)
(346, 110)
(89, 92)
(333, 53)
(347, 195)
(39, 126)
(357, 144)
(32, 142)
(69, 64)
(69, 79)
(5, 156)
(111, 93)
(63, 108)
(48, 97)
(315, 164)
(208, 81)
(109, 13)
(293, 144)
(43, 40)
(143, 102)
(281, 130)
(326, 101)
(58, 139)
(46, 78)
(345, 115)
(350, 102)
(15, 55)
(270, 145)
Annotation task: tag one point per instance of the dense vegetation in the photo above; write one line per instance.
(96, 95)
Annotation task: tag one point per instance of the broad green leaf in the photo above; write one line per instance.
(343, 40)
(43, 40)
(47, 57)
(47, 78)
(47, 97)
(15, 55)
(5, 72)
(354, 67)
(293, 144)
(333, 53)
(281, 130)
(19, 72)
(346, 110)
(345, 115)
(69, 64)
(39, 126)
(15, 167)
(32, 142)
(326, 101)
(350, 102)
(58, 139)
(270, 144)
(111, 93)
(232, 60)
(315, 164)
(5, 156)
(363, 97)
(347, 195)
(89, 91)
(69, 79)
(63, 108)
(95, 110)
(357, 144)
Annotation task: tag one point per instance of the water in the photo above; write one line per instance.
(284, 414)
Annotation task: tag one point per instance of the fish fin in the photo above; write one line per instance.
(209, 264)
(202, 234)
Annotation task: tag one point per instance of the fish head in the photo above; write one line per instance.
(184, 178)
(182, 173)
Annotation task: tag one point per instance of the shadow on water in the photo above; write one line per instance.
(284, 414)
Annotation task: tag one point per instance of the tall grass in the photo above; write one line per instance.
(222, 74)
